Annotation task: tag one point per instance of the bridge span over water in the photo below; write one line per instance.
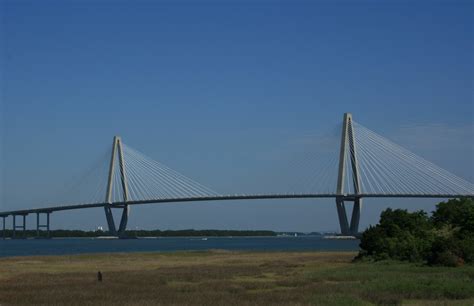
(368, 166)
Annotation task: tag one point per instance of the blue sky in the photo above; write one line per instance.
(205, 87)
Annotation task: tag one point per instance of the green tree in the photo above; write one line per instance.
(399, 235)
(455, 213)
(454, 242)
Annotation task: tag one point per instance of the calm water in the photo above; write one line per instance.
(78, 246)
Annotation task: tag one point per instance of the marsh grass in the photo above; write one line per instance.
(229, 278)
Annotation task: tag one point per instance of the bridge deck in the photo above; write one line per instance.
(228, 198)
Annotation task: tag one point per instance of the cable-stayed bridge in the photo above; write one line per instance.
(365, 165)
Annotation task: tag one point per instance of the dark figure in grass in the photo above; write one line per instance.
(99, 276)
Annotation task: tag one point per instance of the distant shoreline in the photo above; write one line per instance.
(170, 237)
(32, 234)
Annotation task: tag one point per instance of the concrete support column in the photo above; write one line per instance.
(14, 227)
(4, 231)
(355, 217)
(341, 213)
(124, 220)
(47, 224)
(37, 225)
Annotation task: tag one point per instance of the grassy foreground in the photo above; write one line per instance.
(228, 278)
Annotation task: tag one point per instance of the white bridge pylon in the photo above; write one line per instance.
(348, 154)
(117, 151)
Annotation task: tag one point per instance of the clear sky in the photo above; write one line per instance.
(207, 87)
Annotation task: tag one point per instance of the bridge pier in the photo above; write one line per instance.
(347, 229)
(355, 216)
(4, 231)
(22, 227)
(124, 220)
(341, 213)
(39, 225)
(47, 218)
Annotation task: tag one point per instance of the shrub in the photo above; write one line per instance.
(447, 258)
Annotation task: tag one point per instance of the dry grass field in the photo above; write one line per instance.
(228, 278)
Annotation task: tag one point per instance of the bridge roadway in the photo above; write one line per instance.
(227, 198)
